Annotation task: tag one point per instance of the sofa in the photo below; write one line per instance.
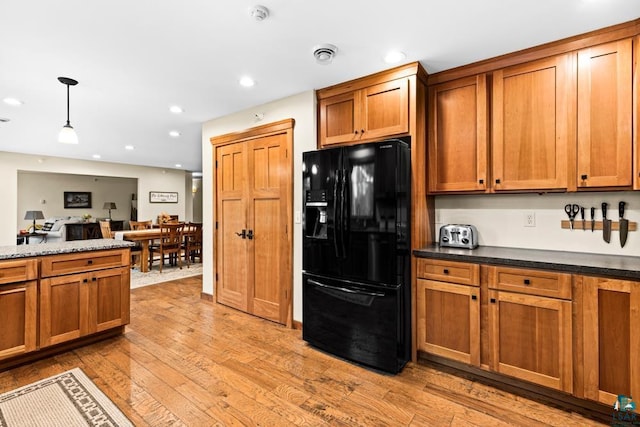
(56, 227)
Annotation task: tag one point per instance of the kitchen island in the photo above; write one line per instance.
(564, 325)
(54, 297)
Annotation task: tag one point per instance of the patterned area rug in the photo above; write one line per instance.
(139, 279)
(69, 399)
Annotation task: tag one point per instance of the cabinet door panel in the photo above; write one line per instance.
(64, 303)
(611, 338)
(231, 214)
(18, 317)
(604, 115)
(533, 121)
(458, 135)
(385, 109)
(339, 118)
(109, 294)
(449, 320)
(531, 338)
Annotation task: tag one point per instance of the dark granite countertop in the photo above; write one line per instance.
(43, 249)
(617, 266)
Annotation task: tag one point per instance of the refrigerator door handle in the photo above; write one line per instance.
(343, 217)
(347, 290)
(336, 231)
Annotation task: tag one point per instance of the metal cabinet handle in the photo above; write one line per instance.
(85, 281)
(493, 300)
(250, 235)
(497, 181)
(583, 177)
(90, 262)
(242, 234)
(481, 181)
(527, 282)
(445, 271)
(474, 297)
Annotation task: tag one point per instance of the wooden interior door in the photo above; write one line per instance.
(268, 207)
(533, 123)
(604, 115)
(231, 223)
(611, 338)
(254, 202)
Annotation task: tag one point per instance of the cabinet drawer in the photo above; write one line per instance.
(82, 262)
(449, 271)
(18, 271)
(534, 282)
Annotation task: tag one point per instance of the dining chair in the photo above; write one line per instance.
(170, 244)
(105, 229)
(136, 251)
(192, 244)
(140, 225)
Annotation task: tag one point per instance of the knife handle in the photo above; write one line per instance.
(621, 209)
(582, 212)
(593, 213)
(604, 210)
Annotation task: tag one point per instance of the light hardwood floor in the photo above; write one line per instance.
(185, 361)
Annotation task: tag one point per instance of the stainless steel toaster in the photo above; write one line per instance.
(459, 236)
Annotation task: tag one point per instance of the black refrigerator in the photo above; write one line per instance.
(356, 252)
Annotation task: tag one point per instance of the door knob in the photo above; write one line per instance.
(242, 234)
(250, 235)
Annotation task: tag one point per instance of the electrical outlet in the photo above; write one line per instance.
(529, 219)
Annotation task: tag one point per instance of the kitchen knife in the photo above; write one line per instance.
(624, 225)
(582, 216)
(593, 218)
(606, 224)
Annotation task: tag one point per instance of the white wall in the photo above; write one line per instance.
(45, 191)
(499, 219)
(149, 179)
(302, 108)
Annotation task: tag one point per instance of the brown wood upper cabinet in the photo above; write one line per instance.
(458, 135)
(375, 112)
(604, 115)
(533, 124)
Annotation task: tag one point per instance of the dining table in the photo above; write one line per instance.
(145, 237)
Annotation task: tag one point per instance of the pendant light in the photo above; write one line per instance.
(67, 134)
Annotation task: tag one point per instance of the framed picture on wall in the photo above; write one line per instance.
(163, 197)
(77, 199)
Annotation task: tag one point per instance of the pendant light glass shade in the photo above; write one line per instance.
(67, 135)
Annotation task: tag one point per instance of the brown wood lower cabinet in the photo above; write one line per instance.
(449, 320)
(18, 307)
(77, 305)
(530, 338)
(611, 343)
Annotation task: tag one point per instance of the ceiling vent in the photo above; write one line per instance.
(324, 53)
(259, 13)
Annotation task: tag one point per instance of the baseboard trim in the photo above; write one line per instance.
(206, 297)
(297, 324)
(593, 410)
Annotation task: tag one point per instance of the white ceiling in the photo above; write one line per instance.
(134, 59)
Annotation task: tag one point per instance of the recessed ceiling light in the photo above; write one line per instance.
(129, 147)
(178, 165)
(13, 101)
(394, 57)
(247, 81)
(96, 156)
(175, 109)
(174, 134)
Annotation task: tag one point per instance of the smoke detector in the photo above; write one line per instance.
(259, 13)
(324, 53)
